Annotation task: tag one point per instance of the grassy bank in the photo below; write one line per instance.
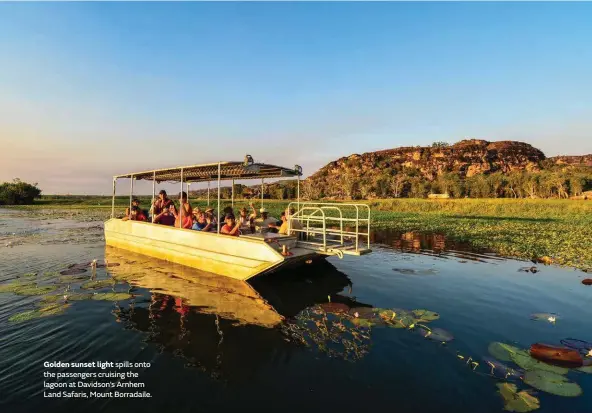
(533, 228)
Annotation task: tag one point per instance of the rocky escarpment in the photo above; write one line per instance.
(367, 174)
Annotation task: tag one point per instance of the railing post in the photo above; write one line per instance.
(153, 194)
(131, 191)
(113, 200)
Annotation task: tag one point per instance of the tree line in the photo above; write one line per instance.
(412, 184)
(18, 192)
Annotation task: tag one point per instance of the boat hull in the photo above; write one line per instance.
(236, 257)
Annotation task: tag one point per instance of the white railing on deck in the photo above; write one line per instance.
(318, 213)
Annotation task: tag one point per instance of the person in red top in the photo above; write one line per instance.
(231, 226)
(167, 216)
(135, 214)
(187, 219)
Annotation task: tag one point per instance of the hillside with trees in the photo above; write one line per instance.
(470, 168)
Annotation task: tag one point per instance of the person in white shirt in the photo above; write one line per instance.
(265, 223)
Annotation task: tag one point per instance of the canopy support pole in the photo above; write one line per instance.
(261, 192)
(208, 193)
(298, 194)
(218, 221)
(113, 200)
(131, 191)
(153, 193)
(181, 207)
(232, 195)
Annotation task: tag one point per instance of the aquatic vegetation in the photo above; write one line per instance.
(584, 347)
(44, 311)
(523, 359)
(72, 278)
(435, 334)
(425, 315)
(557, 356)
(111, 296)
(34, 290)
(502, 351)
(67, 297)
(517, 401)
(533, 270)
(550, 317)
(500, 370)
(410, 271)
(96, 284)
(553, 383)
(73, 271)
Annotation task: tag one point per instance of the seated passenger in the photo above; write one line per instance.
(293, 224)
(161, 204)
(265, 224)
(166, 216)
(231, 226)
(136, 202)
(184, 221)
(246, 221)
(212, 219)
(187, 210)
(200, 223)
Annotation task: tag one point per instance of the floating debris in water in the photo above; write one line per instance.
(533, 270)
(552, 383)
(587, 281)
(550, 317)
(515, 401)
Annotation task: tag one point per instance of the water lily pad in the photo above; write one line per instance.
(112, 296)
(73, 271)
(500, 370)
(96, 284)
(30, 274)
(425, 316)
(552, 383)
(362, 322)
(35, 290)
(585, 369)
(44, 311)
(515, 401)
(72, 278)
(502, 351)
(362, 312)
(524, 360)
(69, 297)
(549, 317)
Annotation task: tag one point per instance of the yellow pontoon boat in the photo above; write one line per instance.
(326, 228)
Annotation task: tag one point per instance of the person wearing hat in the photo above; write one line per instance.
(246, 220)
(231, 226)
(211, 218)
(265, 224)
(136, 203)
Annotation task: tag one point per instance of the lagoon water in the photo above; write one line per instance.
(277, 344)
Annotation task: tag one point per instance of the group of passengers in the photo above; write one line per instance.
(164, 212)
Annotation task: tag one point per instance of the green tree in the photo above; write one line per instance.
(18, 192)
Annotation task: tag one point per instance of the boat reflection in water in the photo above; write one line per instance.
(228, 327)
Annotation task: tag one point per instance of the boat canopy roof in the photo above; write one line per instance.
(209, 172)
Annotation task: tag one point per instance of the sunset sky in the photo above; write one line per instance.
(91, 90)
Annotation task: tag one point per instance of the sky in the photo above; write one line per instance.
(92, 90)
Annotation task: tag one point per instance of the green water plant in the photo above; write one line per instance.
(44, 311)
(97, 284)
(525, 361)
(111, 296)
(32, 289)
(517, 401)
(553, 383)
(502, 351)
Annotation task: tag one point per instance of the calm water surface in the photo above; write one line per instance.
(275, 344)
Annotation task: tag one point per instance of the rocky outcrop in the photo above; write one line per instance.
(581, 160)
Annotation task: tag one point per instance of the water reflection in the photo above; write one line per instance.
(230, 328)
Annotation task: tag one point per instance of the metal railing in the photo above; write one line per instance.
(319, 215)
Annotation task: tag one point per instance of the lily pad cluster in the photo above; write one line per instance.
(542, 367)
(59, 288)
